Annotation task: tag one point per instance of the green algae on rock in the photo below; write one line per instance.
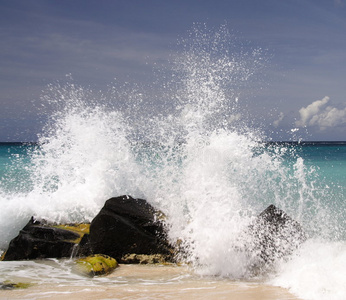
(80, 228)
(95, 265)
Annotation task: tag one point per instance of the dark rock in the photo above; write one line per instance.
(7, 285)
(127, 225)
(37, 240)
(84, 248)
(274, 235)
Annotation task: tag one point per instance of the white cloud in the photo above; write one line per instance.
(306, 113)
(320, 115)
(331, 117)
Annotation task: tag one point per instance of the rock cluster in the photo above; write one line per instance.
(129, 230)
(124, 226)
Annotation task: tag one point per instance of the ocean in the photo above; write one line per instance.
(200, 163)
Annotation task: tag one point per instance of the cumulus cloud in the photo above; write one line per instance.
(306, 113)
(319, 114)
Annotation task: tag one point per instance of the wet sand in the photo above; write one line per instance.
(152, 282)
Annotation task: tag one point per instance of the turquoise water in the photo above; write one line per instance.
(8, 153)
(15, 167)
(329, 161)
(327, 158)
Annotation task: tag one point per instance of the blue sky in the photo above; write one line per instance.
(301, 93)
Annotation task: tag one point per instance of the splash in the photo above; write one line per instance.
(83, 158)
(201, 163)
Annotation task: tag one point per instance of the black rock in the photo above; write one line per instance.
(84, 248)
(127, 225)
(37, 241)
(274, 235)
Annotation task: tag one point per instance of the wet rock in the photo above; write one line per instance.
(7, 285)
(84, 248)
(143, 259)
(274, 235)
(95, 265)
(42, 240)
(127, 225)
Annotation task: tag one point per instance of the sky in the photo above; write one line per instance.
(300, 94)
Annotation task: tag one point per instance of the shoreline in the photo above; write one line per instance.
(151, 282)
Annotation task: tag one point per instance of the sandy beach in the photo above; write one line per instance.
(151, 282)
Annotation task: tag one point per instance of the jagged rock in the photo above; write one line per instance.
(42, 240)
(127, 225)
(274, 235)
(95, 265)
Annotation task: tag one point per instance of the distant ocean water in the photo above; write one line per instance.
(201, 165)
